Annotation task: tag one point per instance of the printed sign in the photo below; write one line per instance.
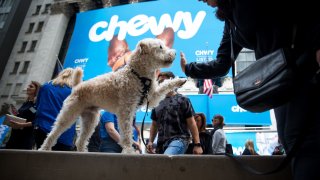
(103, 39)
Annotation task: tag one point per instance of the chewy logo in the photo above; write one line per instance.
(237, 108)
(140, 24)
(204, 52)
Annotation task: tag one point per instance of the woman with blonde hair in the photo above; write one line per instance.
(249, 148)
(49, 103)
(22, 133)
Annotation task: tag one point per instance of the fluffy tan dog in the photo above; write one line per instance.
(120, 92)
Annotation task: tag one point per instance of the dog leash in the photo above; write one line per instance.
(142, 125)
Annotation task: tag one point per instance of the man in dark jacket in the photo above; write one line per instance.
(265, 26)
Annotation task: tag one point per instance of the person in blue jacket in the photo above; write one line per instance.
(110, 136)
(49, 103)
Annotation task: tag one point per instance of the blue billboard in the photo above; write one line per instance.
(224, 104)
(103, 39)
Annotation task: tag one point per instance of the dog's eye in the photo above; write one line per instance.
(160, 47)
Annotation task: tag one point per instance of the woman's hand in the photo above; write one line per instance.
(18, 125)
(183, 62)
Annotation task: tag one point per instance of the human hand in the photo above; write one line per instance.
(17, 125)
(197, 150)
(183, 62)
(150, 148)
(137, 147)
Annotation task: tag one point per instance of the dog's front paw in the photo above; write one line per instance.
(182, 81)
(128, 151)
(178, 82)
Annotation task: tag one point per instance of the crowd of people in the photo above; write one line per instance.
(248, 24)
(175, 127)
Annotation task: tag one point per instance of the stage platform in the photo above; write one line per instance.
(49, 165)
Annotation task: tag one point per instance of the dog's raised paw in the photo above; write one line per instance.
(181, 81)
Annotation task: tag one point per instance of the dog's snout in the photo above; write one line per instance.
(173, 53)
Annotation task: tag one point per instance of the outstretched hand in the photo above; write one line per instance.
(183, 62)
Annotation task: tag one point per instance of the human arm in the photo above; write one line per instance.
(111, 130)
(20, 125)
(195, 135)
(153, 132)
(217, 68)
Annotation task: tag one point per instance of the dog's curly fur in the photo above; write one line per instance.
(117, 92)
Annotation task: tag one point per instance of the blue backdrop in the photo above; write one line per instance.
(224, 104)
(196, 32)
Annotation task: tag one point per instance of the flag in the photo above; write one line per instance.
(207, 87)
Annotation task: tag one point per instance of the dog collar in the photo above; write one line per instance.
(146, 82)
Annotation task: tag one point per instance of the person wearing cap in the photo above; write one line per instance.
(219, 139)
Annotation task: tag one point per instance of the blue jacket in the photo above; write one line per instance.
(49, 103)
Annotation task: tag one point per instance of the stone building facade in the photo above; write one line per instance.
(41, 42)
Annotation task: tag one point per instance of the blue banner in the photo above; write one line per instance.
(224, 104)
(103, 39)
(238, 140)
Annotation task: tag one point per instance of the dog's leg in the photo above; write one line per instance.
(89, 120)
(67, 116)
(163, 89)
(125, 119)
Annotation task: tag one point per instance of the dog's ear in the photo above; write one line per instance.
(142, 48)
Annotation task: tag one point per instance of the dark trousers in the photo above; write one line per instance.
(21, 139)
(40, 136)
(300, 118)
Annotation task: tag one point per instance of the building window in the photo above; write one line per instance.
(40, 25)
(15, 68)
(25, 67)
(7, 90)
(46, 9)
(37, 10)
(17, 89)
(1, 3)
(33, 46)
(245, 58)
(3, 18)
(31, 25)
(23, 47)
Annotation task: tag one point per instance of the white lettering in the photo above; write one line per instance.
(237, 108)
(191, 27)
(82, 60)
(204, 52)
(238, 150)
(93, 36)
(140, 24)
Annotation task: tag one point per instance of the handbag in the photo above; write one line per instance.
(267, 83)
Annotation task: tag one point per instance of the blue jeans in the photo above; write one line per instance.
(176, 146)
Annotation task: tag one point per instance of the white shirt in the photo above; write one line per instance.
(219, 142)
